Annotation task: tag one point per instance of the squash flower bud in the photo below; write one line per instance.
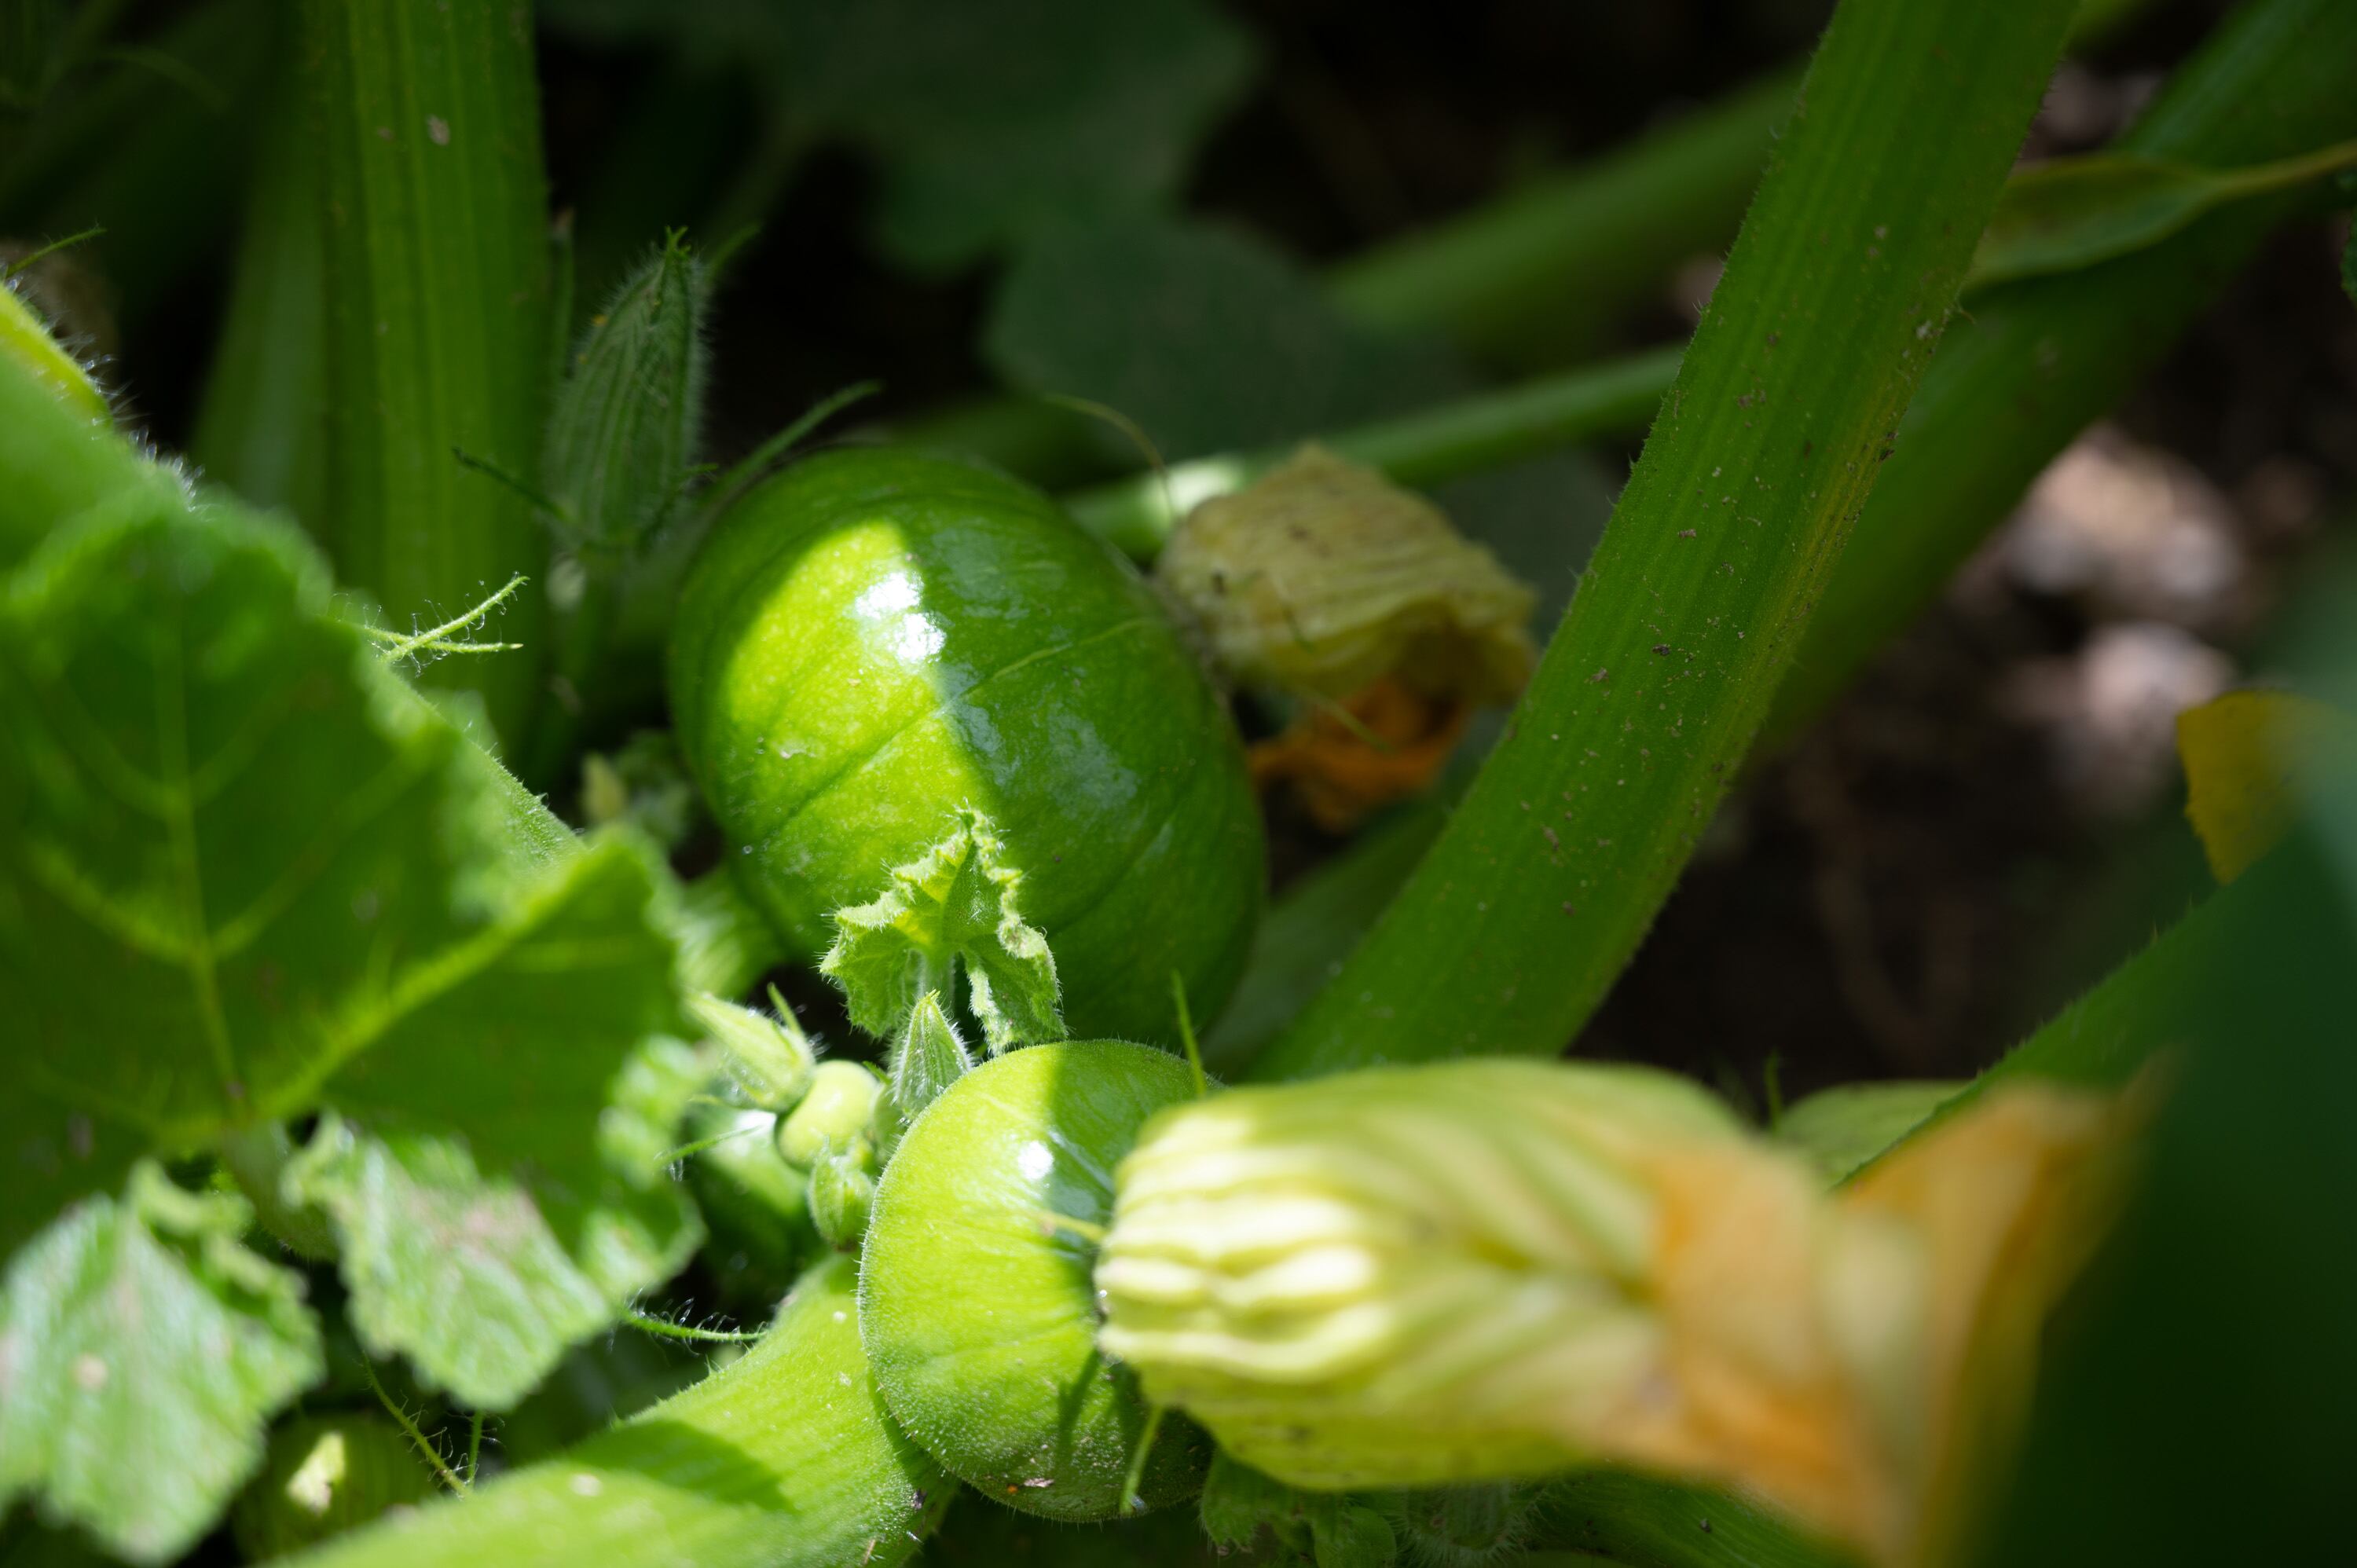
(1323, 576)
(1495, 1270)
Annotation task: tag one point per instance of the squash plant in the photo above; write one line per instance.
(343, 1073)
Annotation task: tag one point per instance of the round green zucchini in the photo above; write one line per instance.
(977, 1305)
(876, 638)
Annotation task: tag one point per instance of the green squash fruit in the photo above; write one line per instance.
(878, 637)
(977, 1305)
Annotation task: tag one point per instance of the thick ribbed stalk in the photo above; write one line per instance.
(785, 1459)
(1528, 907)
(437, 276)
(1539, 276)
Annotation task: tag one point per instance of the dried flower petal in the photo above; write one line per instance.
(1381, 746)
(1323, 576)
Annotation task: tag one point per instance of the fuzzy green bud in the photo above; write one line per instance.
(623, 436)
(767, 1056)
(926, 1059)
(838, 1109)
(842, 1191)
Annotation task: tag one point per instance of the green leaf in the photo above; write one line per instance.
(2075, 212)
(994, 120)
(246, 874)
(1208, 338)
(141, 1347)
(958, 904)
(1544, 882)
(1002, 122)
(25, 338)
(465, 1273)
(226, 839)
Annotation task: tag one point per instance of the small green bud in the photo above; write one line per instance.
(837, 1111)
(623, 436)
(926, 1059)
(768, 1057)
(842, 1191)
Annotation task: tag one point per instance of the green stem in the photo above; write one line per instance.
(1528, 907)
(783, 1459)
(1421, 449)
(1539, 276)
(417, 1438)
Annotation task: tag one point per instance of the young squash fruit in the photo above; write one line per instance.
(877, 640)
(977, 1307)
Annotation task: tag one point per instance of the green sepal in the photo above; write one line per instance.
(926, 1059)
(623, 436)
(958, 904)
(841, 1190)
(766, 1055)
(143, 1348)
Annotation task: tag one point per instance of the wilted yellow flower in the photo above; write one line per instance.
(1490, 1270)
(1322, 576)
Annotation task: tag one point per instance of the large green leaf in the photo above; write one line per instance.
(1207, 337)
(246, 873)
(1000, 122)
(140, 1349)
(996, 121)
